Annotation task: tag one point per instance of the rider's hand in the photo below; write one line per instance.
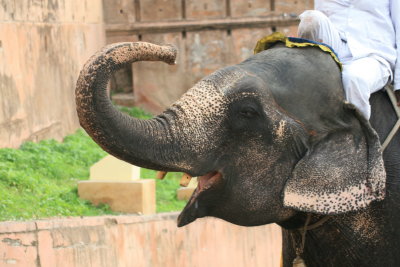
(397, 94)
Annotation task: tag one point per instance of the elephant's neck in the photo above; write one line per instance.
(344, 240)
(326, 246)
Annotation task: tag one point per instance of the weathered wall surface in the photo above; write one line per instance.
(209, 35)
(137, 241)
(43, 45)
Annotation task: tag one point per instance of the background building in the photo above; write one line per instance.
(44, 43)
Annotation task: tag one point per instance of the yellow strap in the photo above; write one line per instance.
(269, 40)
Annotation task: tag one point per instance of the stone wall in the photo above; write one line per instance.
(209, 35)
(43, 45)
(137, 241)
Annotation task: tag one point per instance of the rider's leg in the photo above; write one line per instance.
(361, 78)
(316, 26)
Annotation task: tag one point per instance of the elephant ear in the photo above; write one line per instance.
(343, 172)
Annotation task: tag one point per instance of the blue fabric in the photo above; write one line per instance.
(302, 40)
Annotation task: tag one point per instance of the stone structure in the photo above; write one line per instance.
(118, 184)
(209, 34)
(111, 168)
(43, 45)
(136, 241)
(138, 197)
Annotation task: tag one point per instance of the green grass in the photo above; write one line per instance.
(39, 180)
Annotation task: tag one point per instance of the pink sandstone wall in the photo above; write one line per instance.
(43, 45)
(137, 241)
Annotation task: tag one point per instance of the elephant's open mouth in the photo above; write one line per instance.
(196, 206)
(207, 181)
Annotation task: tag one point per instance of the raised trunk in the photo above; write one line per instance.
(146, 143)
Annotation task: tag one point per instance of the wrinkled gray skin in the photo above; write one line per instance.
(273, 141)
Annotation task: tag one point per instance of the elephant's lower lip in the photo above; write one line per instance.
(196, 207)
(204, 183)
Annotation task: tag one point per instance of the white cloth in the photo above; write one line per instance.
(361, 78)
(362, 32)
(369, 27)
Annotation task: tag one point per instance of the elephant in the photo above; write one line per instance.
(271, 140)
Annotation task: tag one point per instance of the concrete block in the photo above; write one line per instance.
(130, 197)
(184, 193)
(250, 8)
(110, 168)
(205, 9)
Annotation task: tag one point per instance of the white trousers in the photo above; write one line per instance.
(362, 76)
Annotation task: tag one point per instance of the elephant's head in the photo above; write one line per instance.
(267, 138)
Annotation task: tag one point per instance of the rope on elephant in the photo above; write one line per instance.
(390, 92)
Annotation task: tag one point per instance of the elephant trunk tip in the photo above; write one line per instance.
(171, 53)
(142, 51)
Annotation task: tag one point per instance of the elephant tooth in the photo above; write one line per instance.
(161, 175)
(185, 180)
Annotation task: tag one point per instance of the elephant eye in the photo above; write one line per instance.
(248, 112)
